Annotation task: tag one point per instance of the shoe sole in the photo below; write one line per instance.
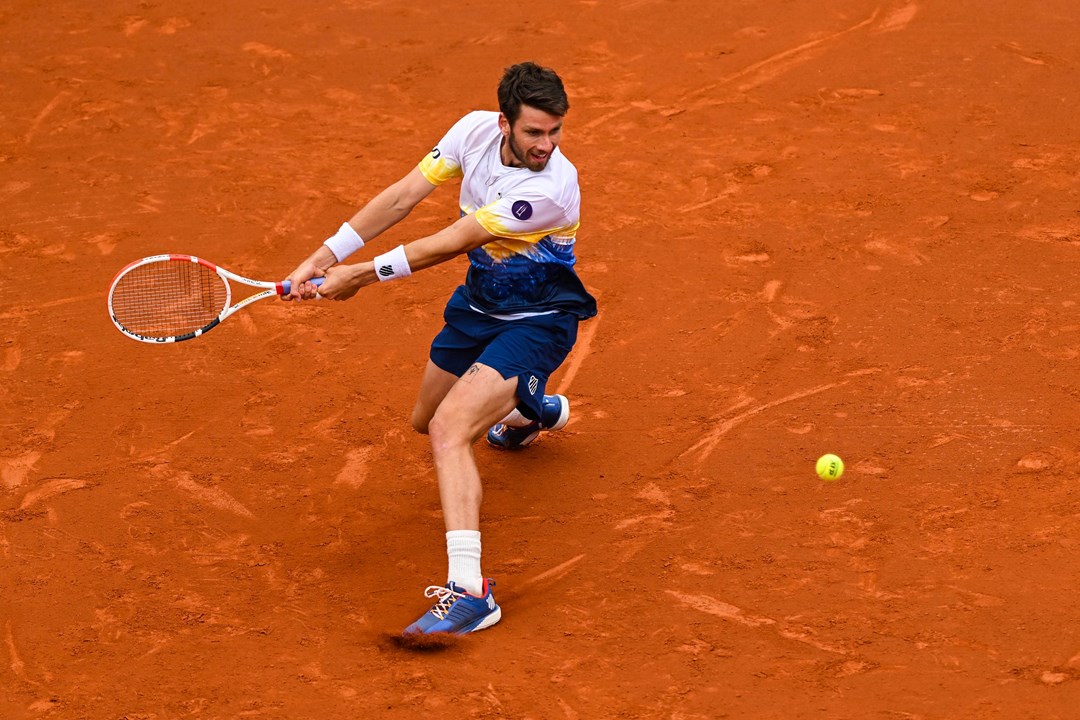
(488, 620)
(485, 622)
(564, 414)
(564, 417)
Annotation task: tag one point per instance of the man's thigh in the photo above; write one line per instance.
(480, 398)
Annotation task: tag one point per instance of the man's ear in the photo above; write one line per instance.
(504, 125)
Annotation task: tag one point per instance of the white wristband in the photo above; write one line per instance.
(392, 265)
(344, 242)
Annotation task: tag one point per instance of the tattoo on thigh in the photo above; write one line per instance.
(468, 376)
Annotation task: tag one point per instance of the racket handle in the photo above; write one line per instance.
(285, 287)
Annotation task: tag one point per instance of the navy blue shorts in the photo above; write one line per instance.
(529, 348)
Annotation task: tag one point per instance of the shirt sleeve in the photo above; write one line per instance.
(444, 161)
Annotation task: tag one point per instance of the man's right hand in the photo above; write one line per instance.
(314, 267)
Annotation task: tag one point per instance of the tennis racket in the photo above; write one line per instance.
(169, 298)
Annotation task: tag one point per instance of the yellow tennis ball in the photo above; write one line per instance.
(830, 467)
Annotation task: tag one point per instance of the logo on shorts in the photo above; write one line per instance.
(533, 384)
(522, 210)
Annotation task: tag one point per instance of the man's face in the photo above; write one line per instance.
(532, 139)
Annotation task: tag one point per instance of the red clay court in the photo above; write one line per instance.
(848, 226)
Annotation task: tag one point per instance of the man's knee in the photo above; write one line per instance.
(445, 432)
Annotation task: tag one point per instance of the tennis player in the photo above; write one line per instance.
(506, 329)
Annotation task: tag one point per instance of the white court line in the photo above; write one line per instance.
(579, 353)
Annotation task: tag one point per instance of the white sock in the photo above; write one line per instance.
(463, 550)
(516, 419)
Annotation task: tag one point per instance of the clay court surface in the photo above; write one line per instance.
(813, 226)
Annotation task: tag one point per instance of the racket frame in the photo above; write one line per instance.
(269, 289)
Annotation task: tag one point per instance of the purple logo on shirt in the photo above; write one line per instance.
(522, 210)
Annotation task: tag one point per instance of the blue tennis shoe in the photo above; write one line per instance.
(554, 413)
(456, 611)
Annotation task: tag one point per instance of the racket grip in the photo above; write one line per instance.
(285, 287)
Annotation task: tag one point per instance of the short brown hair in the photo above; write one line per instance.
(529, 84)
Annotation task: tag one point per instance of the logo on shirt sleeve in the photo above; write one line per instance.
(522, 210)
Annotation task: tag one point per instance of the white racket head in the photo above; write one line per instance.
(168, 298)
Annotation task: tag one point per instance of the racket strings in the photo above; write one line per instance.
(168, 298)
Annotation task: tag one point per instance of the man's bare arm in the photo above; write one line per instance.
(466, 234)
(383, 211)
